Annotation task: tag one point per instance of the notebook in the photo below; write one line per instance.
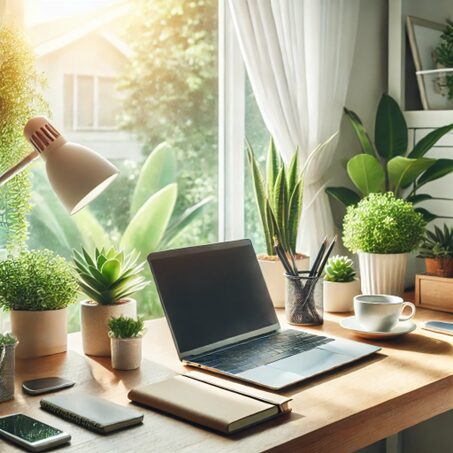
(211, 401)
(91, 412)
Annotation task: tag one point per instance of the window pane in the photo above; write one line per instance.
(68, 87)
(85, 102)
(108, 104)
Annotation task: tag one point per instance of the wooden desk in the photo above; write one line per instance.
(410, 381)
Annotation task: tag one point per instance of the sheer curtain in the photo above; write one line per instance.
(298, 55)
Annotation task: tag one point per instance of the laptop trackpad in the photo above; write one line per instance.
(311, 362)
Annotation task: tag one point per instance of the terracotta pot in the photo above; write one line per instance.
(94, 319)
(441, 267)
(339, 296)
(126, 353)
(273, 273)
(39, 333)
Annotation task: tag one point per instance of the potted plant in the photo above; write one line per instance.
(7, 345)
(37, 286)
(340, 285)
(126, 336)
(437, 249)
(279, 201)
(383, 230)
(109, 278)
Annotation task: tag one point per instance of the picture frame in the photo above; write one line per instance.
(424, 36)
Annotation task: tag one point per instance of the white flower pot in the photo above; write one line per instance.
(39, 333)
(339, 296)
(273, 273)
(383, 273)
(126, 353)
(94, 319)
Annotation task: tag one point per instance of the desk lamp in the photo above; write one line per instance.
(77, 174)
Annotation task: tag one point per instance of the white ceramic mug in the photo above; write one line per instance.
(381, 312)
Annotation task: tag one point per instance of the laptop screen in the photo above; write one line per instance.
(212, 292)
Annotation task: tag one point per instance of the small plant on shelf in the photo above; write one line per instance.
(125, 327)
(339, 269)
(7, 339)
(437, 249)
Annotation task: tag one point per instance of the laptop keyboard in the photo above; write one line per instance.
(260, 351)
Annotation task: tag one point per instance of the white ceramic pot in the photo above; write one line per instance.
(338, 297)
(126, 353)
(39, 333)
(94, 320)
(383, 273)
(273, 273)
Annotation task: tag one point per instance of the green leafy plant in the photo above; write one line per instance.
(339, 269)
(124, 327)
(381, 223)
(387, 165)
(444, 56)
(7, 339)
(20, 99)
(279, 198)
(438, 243)
(37, 280)
(109, 276)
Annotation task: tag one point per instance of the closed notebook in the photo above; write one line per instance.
(212, 402)
(91, 412)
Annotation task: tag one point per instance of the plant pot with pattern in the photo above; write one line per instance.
(437, 250)
(109, 278)
(36, 287)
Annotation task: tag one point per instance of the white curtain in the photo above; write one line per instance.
(298, 55)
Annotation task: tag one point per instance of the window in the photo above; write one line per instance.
(90, 102)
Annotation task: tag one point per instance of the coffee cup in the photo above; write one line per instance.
(381, 312)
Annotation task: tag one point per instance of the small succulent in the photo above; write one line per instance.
(438, 243)
(7, 339)
(124, 327)
(108, 276)
(339, 269)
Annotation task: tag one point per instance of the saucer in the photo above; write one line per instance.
(401, 328)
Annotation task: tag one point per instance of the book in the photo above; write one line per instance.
(91, 412)
(210, 401)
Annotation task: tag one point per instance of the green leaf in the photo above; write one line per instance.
(426, 143)
(111, 270)
(390, 133)
(272, 168)
(281, 206)
(427, 215)
(361, 133)
(147, 227)
(158, 171)
(441, 168)
(87, 258)
(366, 173)
(294, 211)
(344, 195)
(293, 172)
(418, 198)
(404, 171)
(92, 232)
(90, 292)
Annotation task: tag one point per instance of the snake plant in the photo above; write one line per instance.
(279, 198)
(108, 276)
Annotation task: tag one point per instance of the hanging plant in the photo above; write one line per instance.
(20, 99)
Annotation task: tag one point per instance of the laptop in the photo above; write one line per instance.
(222, 319)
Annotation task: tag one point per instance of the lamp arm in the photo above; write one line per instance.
(20, 166)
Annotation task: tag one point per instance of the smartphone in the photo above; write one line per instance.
(31, 434)
(439, 326)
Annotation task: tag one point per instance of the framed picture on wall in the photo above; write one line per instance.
(433, 78)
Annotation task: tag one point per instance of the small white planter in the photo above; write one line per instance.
(338, 297)
(94, 324)
(273, 273)
(383, 273)
(39, 333)
(126, 353)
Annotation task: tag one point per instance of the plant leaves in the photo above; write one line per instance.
(344, 195)
(294, 211)
(426, 143)
(159, 170)
(390, 134)
(272, 168)
(281, 206)
(404, 171)
(427, 215)
(418, 198)
(293, 172)
(361, 133)
(366, 173)
(111, 270)
(92, 232)
(441, 168)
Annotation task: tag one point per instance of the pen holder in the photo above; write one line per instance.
(7, 372)
(303, 299)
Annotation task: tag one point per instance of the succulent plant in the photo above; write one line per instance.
(108, 276)
(437, 243)
(124, 327)
(339, 269)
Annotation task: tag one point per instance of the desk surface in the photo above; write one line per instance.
(409, 381)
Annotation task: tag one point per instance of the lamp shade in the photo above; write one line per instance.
(77, 174)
